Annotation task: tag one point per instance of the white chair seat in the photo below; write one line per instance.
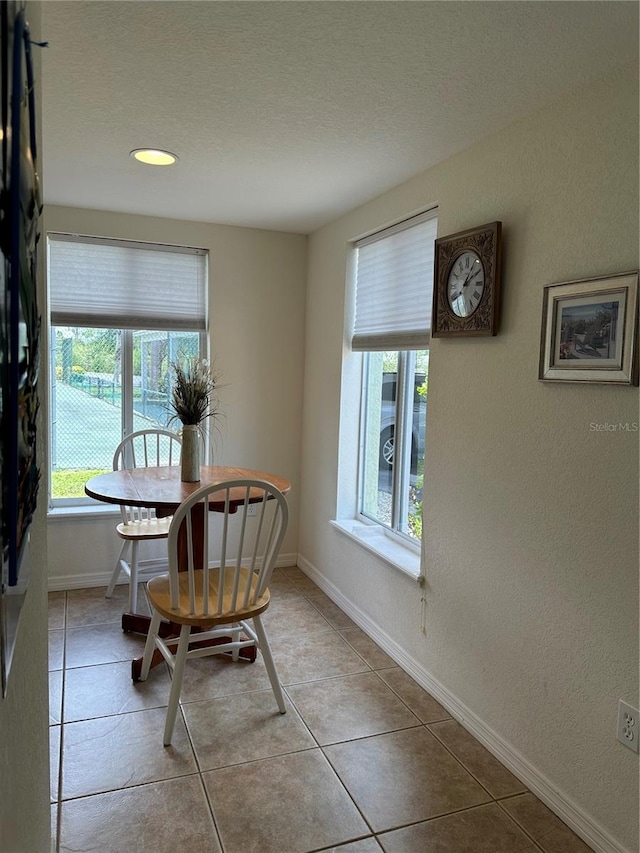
(146, 528)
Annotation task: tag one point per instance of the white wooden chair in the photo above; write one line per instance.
(146, 448)
(224, 602)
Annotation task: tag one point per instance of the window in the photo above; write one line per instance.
(121, 313)
(394, 275)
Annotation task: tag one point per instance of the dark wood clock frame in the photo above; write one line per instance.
(486, 242)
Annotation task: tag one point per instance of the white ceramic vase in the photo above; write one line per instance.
(190, 454)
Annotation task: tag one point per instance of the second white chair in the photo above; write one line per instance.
(146, 448)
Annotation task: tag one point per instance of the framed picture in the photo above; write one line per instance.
(589, 330)
(20, 209)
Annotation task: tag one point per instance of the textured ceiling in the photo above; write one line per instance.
(287, 114)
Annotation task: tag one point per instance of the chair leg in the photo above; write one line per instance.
(180, 659)
(117, 569)
(269, 663)
(235, 636)
(133, 577)
(150, 645)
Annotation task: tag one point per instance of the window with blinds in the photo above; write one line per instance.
(121, 313)
(125, 284)
(394, 286)
(394, 289)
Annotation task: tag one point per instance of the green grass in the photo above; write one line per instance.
(70, 483)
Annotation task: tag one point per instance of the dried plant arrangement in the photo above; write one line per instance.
(193, 397)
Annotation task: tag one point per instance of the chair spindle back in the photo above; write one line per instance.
(146, 448)
(249, 546)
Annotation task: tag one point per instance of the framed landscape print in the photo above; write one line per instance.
(590, 330)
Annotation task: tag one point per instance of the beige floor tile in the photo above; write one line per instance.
(293, 573)
(393, 750)
(55, 697)
(493, 775)
(291, 602)
(313, 656)
(236, 729)
(162, 817)
(421, 703)
(288, 804)
(352, 706)
(117, 752)
(101, 644)
(290, 618)
(90, 607)
(55, 733)
(336, 617)
(367, 649)
(105, 689)
(403, 777)
(316, 594)
(56, 649)
(543, 826)
(281, 586)
(218, 675)
(305, 585)
(56, 609)
(484, 829)
(365, 845)
(300, 581)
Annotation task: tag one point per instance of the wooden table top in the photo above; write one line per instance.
(162, 489)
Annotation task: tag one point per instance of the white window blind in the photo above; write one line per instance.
(98, 282)
(394, 286)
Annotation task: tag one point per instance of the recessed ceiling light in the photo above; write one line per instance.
(154, 156)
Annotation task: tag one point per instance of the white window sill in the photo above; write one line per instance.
(374, 539)
(82, 512)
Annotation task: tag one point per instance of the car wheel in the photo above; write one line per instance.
(386, 449)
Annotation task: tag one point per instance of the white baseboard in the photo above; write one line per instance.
(147, 569)
(568, 811)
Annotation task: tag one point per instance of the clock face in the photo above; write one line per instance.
(465, 284)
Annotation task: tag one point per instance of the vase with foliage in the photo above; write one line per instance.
(193, 400)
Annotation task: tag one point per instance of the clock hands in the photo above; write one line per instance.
(471, 275)
(467, 281)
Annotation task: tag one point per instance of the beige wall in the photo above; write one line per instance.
(256, 306)
(25, 818)
(531, 516)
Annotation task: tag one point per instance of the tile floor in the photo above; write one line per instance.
(364, 760)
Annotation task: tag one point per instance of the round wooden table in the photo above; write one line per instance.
(163, 490)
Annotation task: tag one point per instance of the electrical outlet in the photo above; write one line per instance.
(628, 727)
(251, 510)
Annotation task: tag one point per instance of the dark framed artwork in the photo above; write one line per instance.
(20, 209)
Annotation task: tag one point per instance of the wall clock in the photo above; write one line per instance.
(466, 291)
